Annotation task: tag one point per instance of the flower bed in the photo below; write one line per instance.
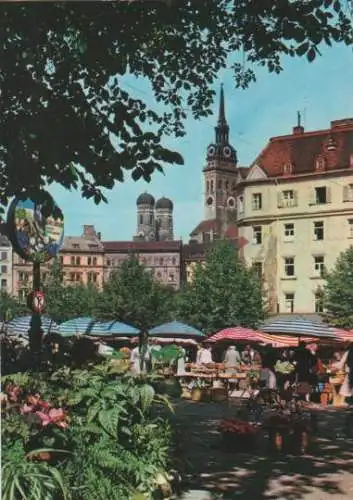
(82, 434)
(238, 435)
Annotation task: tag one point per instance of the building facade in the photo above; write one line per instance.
(295, 209)
(161, 258)
(5, 265)
(82, 258)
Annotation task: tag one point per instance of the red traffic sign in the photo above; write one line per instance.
(36, 301)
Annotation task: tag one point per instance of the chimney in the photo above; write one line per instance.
(99, 236)
(89, 231)
(298, 129)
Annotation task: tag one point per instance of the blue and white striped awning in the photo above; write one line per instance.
(19, 326)
(81, 326)
(175, 329)
(298, 326)
(117, 328)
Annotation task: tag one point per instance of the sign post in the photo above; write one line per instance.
(36, 236)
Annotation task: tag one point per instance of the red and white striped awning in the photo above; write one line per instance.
(278, 340)
(236, 334)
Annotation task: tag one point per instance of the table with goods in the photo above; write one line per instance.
(214, 382)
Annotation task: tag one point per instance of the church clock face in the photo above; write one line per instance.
(227, 151)
(209, 201)
(211, 150)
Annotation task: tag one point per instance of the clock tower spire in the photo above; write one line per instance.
(220, 172)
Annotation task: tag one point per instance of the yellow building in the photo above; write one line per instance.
(295, 209)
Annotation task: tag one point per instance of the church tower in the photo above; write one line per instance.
(220, 172)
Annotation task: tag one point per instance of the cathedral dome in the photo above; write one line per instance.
(145, 199)
(164, 203)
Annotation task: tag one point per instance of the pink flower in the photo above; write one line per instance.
(13, 392)
(33, 399)
(44, 404)
(63, 424)
(3, 397)
(58, 417)
(44, 418)
(26, 409)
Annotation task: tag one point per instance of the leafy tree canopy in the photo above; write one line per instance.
(338, 292)
(10, 307)
(67, 114)
(224, 293)
(66, 302)
(134, 297)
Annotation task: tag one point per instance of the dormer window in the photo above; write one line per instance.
(287, 169)
(320, 163)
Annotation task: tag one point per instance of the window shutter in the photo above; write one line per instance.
(328, 195)
(312, 197)
(295, 198)
(279, 200)
(345, 193)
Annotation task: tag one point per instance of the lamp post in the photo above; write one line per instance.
(36, 237)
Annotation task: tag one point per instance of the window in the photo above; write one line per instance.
(3, 284)
(219, 184)
(350, 228)
(289, 302)
(171, 277)
(320, 163)
(257, 201)
(319, 265)
(257, 235)
(72, 261)
(173, 261)
(241, 204)
(150, 219)
(289, 231)
(320, 195)
(78, 261)
(3, 255)
(161, 260)
(207, 186)
(140, 219)
(72, 276)
(289, 198)
(227, 185)
(289, 269)
(61, 260)
(89, 261)
(257, 266)
(348, 192)
(319, 230)
(3, 269)
(75, 245)
(94, 260)
(212, 187)
(319, 302)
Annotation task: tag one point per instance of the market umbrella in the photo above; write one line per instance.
(301, 327)
(278, 340)
(168, 340)
(237, 333)
(116, 328)
(175, 329)
(80, 326)
(20, 326)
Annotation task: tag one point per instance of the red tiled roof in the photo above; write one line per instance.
(206, 226)
(142, 246)
(302, 149)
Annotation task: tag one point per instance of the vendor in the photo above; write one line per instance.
(249, 356)
(204, 355)
(232, 359)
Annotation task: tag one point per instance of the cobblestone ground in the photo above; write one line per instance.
(326, 473)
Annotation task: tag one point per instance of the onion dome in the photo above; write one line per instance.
(164, 204)
(145, 199)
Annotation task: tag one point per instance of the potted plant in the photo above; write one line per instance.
(199, 389)
(238, 435)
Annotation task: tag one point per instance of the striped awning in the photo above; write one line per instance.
(278, 340)
(80, 326)
(175, 329)
(235, 334)
(19, 326)
(168, 340)
(301, 327)
(118, 329)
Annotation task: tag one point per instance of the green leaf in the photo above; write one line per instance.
(311, 54)
(302, 49)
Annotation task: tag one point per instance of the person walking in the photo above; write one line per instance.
(232, 359)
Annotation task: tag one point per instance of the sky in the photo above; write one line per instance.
(322, 91)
